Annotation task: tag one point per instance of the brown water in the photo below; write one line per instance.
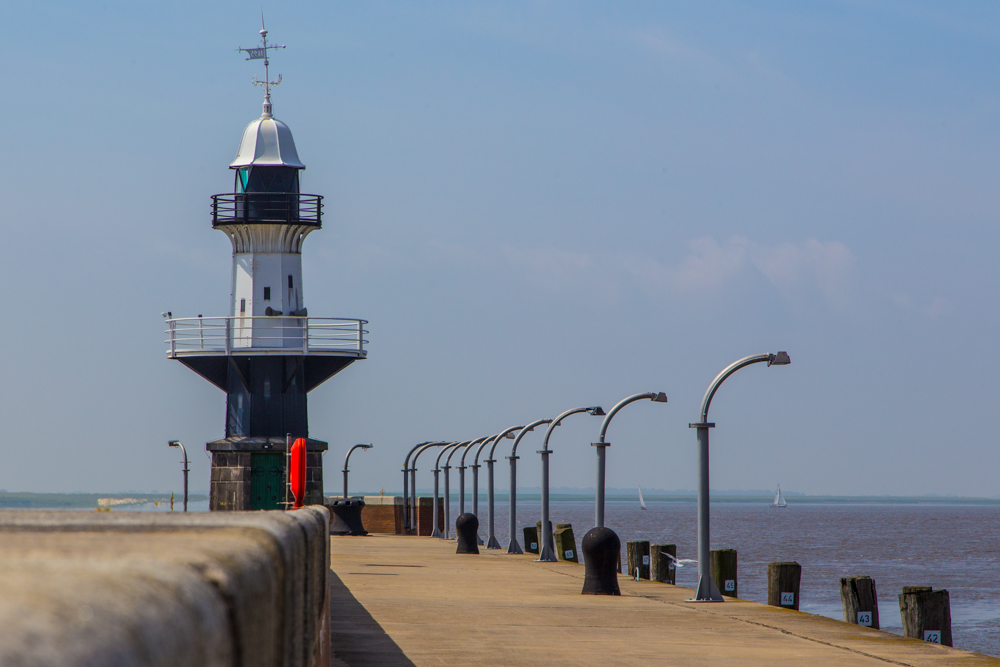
(955, 547)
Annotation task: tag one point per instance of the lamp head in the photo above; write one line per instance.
(596, 411)
(366, 446)
(510, 435)
(174, 443)
(779, 359)
(660, 398)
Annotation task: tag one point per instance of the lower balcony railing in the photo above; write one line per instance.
(191, 336)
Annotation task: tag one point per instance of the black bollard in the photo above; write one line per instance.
(601, 552)
(467, 529)
(345, 517)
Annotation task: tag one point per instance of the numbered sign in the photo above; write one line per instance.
(645, 560)
(534, 546)
(932, 636)
(569, 554)
(865, 618)
(729, 585)
(788, 599)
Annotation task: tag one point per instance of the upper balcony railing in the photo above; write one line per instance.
(283, 335)
(266, 208)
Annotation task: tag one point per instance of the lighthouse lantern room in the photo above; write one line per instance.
(267, 354)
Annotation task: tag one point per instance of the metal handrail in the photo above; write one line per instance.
(288, 208)
(239, 335)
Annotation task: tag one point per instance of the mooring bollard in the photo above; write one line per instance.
(565, 542)
(722, 565)
(662, 563)
(467, 530)
(783, 584)
(601, 555)
(860, 601)
(926, 614)
(637, 558)
(345, 517)
(531, 539)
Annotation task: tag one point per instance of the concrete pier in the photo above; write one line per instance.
(411, 601)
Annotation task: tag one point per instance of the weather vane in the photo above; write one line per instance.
(260, 53)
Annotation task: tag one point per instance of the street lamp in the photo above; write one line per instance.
(406, 495)
(545, 552)
(437, 469)
(177, 443)
(491, 540)
(348, 458)
(413, 481)
(475, 481)
(656, 397)
(513, 547)
(461, 476)
(447, 494)
(707, 590)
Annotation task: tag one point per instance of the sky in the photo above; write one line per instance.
(536, 206)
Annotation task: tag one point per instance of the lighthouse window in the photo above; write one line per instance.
(267, 294)
(272, 179)
(289, 282)
(243, 305)
(242, 175)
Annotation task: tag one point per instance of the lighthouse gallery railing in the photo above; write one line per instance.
(265, 334)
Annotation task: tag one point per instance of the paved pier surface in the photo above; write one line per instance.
(400, 601)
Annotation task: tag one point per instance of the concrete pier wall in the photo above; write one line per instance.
(138, 589)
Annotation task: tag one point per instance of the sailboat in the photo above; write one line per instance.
(779, 500)
(642, 503)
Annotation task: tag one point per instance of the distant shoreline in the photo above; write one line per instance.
(727, 498)
(49, 501)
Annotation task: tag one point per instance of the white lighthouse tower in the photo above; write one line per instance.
(267, 354)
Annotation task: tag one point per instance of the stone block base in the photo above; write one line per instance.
(250, 474)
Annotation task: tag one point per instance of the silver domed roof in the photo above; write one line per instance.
(267, 142)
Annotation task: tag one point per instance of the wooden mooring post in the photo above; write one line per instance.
(722, 565)
(860, 601)
(662, 563)
(638, 558)
(926, 614)
(783, 584)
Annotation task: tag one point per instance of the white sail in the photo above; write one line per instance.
(642, 503)
(779, 500)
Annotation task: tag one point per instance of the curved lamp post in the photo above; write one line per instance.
(447, 494)
(513, 547)
(491, 540)
(413, 480)
(545, 553)
(348, 458)
(475, 481)
(406, 490)
(707, 590)
(601, 444)
(461, 475)
(437, 469)
(177, 443)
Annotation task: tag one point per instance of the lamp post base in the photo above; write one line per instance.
(513, 547)
(707, 591)
(493, 543)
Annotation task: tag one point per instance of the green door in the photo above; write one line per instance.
(267, 472)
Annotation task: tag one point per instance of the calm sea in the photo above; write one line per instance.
(950, 546)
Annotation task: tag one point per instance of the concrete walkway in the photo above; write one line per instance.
(400, 601)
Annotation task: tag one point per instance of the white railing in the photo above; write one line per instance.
(265, 335)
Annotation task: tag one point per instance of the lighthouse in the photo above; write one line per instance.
(267, 354)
